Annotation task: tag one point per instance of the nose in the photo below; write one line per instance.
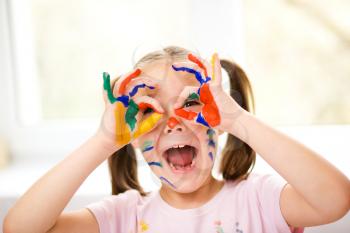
(173, 125)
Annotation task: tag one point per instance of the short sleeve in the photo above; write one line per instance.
(114, 214)
(269, 188)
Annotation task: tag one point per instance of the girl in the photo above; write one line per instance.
(173, 107)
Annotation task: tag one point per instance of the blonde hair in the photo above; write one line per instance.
(238, 158)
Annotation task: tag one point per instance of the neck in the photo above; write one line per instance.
(194, 199)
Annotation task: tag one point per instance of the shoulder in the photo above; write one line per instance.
(128, 198)
(115, 213)
(258, 182)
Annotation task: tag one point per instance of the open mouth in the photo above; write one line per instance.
(181, 158)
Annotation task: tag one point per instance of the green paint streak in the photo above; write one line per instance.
(130, 114)
(193, 96)
(146, 144)
(107, 87)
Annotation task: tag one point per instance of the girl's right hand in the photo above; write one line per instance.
(129, 113)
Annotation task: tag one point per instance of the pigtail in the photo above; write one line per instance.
(122, 166)
(237, 156)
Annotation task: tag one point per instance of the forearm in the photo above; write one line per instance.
(38, 209)
(318, 181)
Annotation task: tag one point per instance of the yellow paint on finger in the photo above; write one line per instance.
(122, 130)
(147, 124)
(213, 58)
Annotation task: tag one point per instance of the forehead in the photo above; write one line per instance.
(170, 82)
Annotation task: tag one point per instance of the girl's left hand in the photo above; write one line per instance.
(218, 109)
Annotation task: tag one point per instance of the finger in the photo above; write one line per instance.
(216, 69)
(191, 68)
(188, 93)
(210, 111)
(148, 124)
(107, 93)
(145, 102)
(138, 83)
(121, 84)
(130, 114)
(122, 131)
(186, 114)
(197, 61)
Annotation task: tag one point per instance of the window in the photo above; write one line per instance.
(297, 55)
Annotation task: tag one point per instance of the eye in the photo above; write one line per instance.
(191, 103)
(148, 110)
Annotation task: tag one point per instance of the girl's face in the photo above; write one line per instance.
(179, 152)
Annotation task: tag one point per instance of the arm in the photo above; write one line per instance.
(317, 193)
(40, 207)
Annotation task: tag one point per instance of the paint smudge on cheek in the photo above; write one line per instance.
(210, 133)
(167, 181)
(211, 142)
(147, 146)
(159, 164)
(211, 156)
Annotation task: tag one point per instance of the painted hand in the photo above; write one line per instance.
(216, 109)
(131, 113)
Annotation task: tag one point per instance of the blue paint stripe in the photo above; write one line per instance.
(163, 178)
(211, 156)
(148, 148)
(155, 163)
(192, 71)
(124, 99)
(136, 88)
(211, 143)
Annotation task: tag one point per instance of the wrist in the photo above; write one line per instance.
(107, 144)
(239, 126)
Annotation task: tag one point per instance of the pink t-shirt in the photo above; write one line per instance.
(247, 206)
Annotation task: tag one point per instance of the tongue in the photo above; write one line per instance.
(180, 156)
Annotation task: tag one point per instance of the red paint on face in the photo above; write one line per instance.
(198, 62)
(185, 114)
(172, 122)
(125, 82)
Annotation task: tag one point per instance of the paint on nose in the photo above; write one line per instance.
(172, 122)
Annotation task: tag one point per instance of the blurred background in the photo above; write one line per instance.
(52, 55)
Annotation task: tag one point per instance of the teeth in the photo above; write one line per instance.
(178, 146)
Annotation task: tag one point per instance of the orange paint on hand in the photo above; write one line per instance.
(172, 122)
(194, 59)
(185, 114)
(210, 110)
(125, 82)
